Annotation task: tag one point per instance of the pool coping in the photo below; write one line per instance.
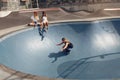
(16, 74)
(7, 31)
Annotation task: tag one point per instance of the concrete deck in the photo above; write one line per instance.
(17, 21)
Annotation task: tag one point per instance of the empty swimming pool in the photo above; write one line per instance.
(95, 55)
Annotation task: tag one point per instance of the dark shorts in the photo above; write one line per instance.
(70, 45)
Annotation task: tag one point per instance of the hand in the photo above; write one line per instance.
(57, 44)
(62, 49)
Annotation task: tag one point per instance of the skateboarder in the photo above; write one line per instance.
(67, 45)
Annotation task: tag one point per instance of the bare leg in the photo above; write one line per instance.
(46, 25)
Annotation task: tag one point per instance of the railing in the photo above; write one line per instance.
(3, 5)
(28, 4)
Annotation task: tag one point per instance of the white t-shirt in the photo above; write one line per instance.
(44, 19)
(35, 19)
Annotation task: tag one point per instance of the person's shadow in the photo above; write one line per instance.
(57, 55)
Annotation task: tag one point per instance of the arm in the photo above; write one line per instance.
(66, 45)
(59, 43)
(32, 19)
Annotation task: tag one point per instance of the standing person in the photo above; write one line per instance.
(44, 21)
(67, 45)
(35, 20)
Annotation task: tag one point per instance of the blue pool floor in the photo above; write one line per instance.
(95, 55)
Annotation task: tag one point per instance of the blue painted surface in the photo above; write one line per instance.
(96, 52)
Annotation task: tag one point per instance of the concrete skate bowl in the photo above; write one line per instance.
(95, 55)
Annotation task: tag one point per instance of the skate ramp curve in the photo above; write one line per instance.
(96, 50)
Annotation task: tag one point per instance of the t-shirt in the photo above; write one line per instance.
(44, 19)
(35, 19)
